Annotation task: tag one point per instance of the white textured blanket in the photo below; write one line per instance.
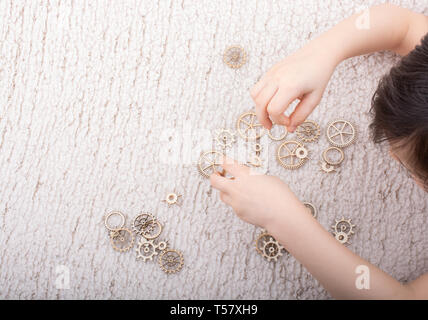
(88, 90)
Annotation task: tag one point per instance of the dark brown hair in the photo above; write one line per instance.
(400, 110)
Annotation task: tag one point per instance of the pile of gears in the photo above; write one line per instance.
(148, 228)
(291, 154)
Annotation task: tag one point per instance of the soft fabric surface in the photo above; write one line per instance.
(94, 92)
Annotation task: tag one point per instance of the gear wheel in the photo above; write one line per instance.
(172, 198)
(234, 57)
(343, 225)
(248, 128)
(272, 250)
(308, 131)
(342, 237)
(146, 249)
(210, 162)
(225, 138)
(121, 239)
(171, 261)
(340, 133)
(288, 149)
(311, 208)
(264, 236)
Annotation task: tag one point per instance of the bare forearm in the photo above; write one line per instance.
(382, 27)
(331, 263)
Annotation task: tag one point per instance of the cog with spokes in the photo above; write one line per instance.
(248, 127)
(171, 261)
(292, 154)
(308, 131)
(210, 162)
(341, 133)
(224, 138)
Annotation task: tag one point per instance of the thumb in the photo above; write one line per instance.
(303, 110)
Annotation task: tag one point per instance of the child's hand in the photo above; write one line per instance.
(302, 75)
(258, 199)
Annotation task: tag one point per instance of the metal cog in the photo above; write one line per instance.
(342, 237)
(344, 225)
(143, 223)
(248, 128)
(308, 131)
(210, 162)
(146, 249)
(234, 57)
(264, 236)
(171, 261)
(225, 138)
(284, 151)
(172, 198)
(343, 129)
(121, 239)
(272, 250)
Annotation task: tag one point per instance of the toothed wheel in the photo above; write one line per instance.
(121, 239)
(225, 138)
(171, 261)
(308, 131)
(143, 223)
(342, 237)
(341, 133)
(248, 127)
(234, 57)
(210, 162)
(288, 157)
(272, 250)
(146, 250)
(344, 225)
(172, 198)
(261, 239)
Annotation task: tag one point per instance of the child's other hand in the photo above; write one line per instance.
(258, 199)
(302, 75)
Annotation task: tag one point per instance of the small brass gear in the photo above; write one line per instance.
(342, 237)
(121, 239)
(272, 250)
(341, 133)
(327, 158)
(143, 223)
(146, 249)
(308, 131)
(261, 239)
(248, 127)
(171, 261)
(287, 151)
(172, 198)
(225, 138)
(343, 225)
(210, 162)
(234, 56)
